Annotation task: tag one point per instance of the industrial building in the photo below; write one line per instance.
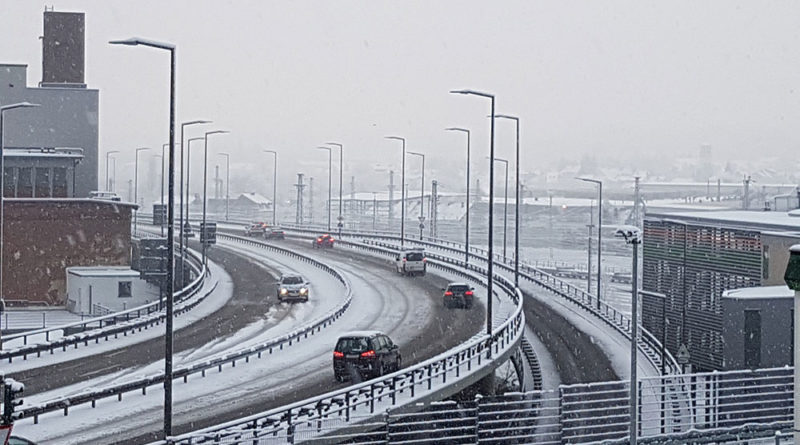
(52, 148)
(694, 257)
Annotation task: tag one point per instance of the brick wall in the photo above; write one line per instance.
(42, 237)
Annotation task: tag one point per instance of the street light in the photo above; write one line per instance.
(516, 203)
(505, 208)
(274, 186)
(227, 180)
(466, 232)
(205, 186)
(136, 187)
(599, 232)
(339, 225)
(490, 274)
(188, 174)
(632, 236)
(3, 109)
(330, 151)
(181, 221)
(108, 161)
(170, 221)
(402, 191)
(421, 194)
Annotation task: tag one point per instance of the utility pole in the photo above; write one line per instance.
(589, 258)
(434, 212)
(351, 206)
(311, 200)
(217, 183)
(636, 216)
(298, 219)
(391, 197)
(746, 198)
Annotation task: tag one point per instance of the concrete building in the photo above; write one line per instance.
(694, 257)
(68, 111)
(102, 290)
(43, 237)
(757, 327)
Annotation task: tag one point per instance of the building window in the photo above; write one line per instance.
(42, 182)
(9, 184)
(752, 338)
(25, 183)
(125, 289)
(59, 182)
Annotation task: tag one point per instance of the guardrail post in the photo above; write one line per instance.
(394, 392)
(347, 406)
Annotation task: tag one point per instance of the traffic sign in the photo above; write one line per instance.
(683, 355)
(421, 218)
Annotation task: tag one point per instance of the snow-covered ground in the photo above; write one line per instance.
(388, 305)
(30, 319)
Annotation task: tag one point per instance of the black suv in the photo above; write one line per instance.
(365, 355)
(459, 294)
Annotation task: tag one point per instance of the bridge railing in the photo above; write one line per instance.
(111, 325)
(201, 367)
(431, 379)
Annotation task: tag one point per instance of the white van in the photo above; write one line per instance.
(411, 261)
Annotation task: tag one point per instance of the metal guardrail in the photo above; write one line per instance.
(648, 343)
(112, 325)
(200, 367)
(308, 418)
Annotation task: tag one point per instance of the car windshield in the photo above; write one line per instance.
(458, 288)
(352, 344)
(292, 280)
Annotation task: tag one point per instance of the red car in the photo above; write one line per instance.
(323, 242)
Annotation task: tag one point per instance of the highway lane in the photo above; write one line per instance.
(409, 309)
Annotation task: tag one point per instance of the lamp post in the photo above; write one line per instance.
(205, 185)
(3, 110)
(136, 186)
(490, 274)
(188, 174)
(402, 191)
(505, 208)
(161, 198)
(274, 186)
(108, 162)
(340, 218)
(632, 236)
(330, 151)
(516, 200)
(466, 231)
(227, 181)
(599, 232)
(170, 228)
(421, 194)
(181, 221)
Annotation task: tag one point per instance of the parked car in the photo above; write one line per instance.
(365, 355)
(256, 229)
(274, 233)
(108, 196)
(323, 242)
(293, 287)
(458, 294)
(411, 261)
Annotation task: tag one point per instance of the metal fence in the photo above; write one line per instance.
(752, 406)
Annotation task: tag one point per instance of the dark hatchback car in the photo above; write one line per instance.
(365, 355)
(459, 295)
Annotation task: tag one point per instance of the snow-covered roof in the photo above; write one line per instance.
(102, 271)
(748, 293)
(747, 219)
(361, 334)
(256, 198)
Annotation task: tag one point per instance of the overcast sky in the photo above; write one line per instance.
(615, 78)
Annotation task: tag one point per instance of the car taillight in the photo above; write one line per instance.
(468, 293)
(337, 354)
(448, 294)
(332, 239)
(404, 260)
(319, 240)
(368, 354)
(424, 260)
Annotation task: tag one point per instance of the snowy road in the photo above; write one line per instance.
(408, 309)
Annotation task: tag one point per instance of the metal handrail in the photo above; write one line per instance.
(112, 324)
(201, 366)
(342, 403)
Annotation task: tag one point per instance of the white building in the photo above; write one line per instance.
(101, 290)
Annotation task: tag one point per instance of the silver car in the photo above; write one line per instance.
(293, 288)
